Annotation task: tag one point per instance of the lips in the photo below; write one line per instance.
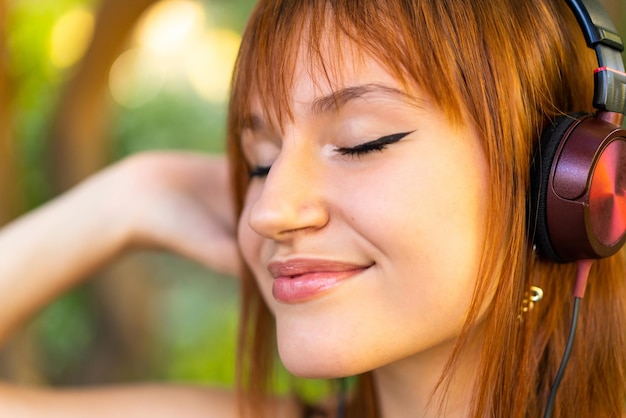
(299, 280)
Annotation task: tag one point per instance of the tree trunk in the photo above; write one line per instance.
(79, 146)
(78, 143)
(11, 199)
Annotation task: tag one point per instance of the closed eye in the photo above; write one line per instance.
(356, 151)
(372, 146)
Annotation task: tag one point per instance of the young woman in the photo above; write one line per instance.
(381, 156)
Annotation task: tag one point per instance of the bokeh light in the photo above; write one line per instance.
(210, 66)
(135, 78)
(70, 36)
(170, 24)
(174, 47)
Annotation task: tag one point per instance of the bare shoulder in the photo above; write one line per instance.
(145, 400)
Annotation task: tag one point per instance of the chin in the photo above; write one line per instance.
(321, 361)
(320, 370)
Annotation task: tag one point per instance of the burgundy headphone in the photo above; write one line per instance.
(578, 195)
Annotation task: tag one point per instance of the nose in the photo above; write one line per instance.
(291, 198)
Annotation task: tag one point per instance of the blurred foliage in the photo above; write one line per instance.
(64, 331)
(195, 311)
(37, 84)
(195, 337)
(172, 120)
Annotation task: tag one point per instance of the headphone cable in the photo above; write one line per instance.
(564, 360)
(584, 266)
(341, 398)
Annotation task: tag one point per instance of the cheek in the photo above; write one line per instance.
(427, 220)
(422, 212)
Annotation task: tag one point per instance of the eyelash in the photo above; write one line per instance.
(376, 145)
(259, 171)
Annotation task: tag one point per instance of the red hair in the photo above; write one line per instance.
(511, 66)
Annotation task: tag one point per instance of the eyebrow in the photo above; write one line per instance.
(341, 97)
(337, 99)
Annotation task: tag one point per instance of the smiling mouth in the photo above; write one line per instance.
(298, 281)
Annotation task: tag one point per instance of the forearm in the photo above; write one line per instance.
(173, 201)
(143, 400)
(155, 401)
(50, 250)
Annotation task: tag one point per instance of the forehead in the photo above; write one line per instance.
(326, 78)
(317, 46)
(341, 65)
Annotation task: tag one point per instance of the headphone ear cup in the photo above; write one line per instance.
(578, 189)
(550, 143)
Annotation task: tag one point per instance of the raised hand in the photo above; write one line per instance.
(171, 200)
(177, 201)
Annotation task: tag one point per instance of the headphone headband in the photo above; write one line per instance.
(596, 24)
(601, 35)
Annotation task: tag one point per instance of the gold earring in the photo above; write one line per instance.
(532, 296)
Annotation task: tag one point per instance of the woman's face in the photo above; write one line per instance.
(365, 235)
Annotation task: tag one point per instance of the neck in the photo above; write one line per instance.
(409, 388)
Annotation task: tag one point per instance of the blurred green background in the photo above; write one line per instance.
(84, 83)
